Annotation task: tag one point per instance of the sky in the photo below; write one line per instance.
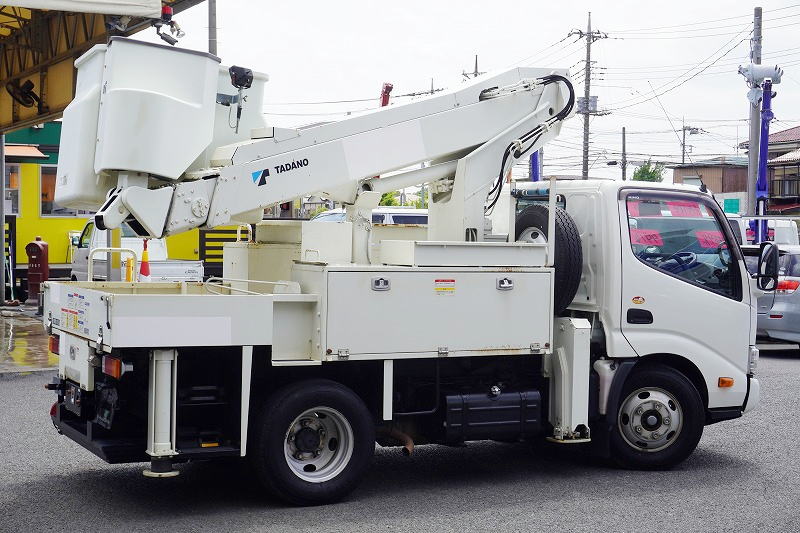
(661, 65)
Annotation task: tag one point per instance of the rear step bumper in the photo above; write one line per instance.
(124, 450)
(110, 450)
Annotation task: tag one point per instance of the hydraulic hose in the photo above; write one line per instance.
(534, 134)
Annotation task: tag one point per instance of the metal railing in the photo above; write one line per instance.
(105, 249)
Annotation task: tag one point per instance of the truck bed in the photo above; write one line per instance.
(127, 315)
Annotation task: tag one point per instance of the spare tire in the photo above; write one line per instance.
(532, 225)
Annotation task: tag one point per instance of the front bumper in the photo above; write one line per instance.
(753, 395)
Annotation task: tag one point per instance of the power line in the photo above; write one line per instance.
(687, 72)
(649, 68)
(536, 54)
(375, 98)
(704, 22)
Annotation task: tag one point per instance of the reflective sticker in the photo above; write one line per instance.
(709, 238)
(647, 237)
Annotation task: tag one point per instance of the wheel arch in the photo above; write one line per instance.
(681, 364)
(364, 378)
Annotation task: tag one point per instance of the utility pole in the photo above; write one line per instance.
(755, 119)
(590, 37)
(692, 131)
(212, 27)
(475, 73)
(683, 142)
(624, 156)
(760, 79)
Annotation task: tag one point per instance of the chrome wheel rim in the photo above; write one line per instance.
(318, 444)
(650, 419)
(533, 234)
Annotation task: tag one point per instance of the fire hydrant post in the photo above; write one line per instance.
(38, 269)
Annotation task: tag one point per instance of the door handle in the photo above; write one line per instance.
(640, 316)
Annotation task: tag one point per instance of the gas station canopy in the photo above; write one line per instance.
(40, 40)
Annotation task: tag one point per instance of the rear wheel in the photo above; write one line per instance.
(312, 443)
(532, 225)
(659, 420)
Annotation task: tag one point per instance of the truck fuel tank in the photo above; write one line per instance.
(493, 415)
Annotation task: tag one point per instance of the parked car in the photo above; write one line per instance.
(161, 268)
(779, 311)
(381, 215)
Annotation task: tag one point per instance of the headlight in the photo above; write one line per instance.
(752, 360)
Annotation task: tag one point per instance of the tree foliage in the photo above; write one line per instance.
(389, 198)
(649, 172)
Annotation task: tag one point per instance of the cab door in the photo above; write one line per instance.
(80, 259)
(684, 286)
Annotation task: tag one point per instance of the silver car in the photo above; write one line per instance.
(779, 311)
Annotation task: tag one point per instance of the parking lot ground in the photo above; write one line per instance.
(743, 477)
(23, 342)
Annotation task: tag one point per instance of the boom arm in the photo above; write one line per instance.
(464, 136)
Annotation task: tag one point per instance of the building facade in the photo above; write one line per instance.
(725, 177)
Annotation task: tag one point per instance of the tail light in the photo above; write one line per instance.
(787, 286)
(115, 367)
(54, 409)
(53, 343)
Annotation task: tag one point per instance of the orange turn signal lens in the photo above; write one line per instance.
(112, 366)
(725, 382)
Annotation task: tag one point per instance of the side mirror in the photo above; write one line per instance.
(76, 241)
(767, 277)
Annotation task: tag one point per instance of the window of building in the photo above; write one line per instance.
(11, 201)
(48, 191)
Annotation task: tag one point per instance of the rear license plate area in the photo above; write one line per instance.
(73, 398)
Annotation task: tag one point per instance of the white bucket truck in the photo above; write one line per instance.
(612, 313)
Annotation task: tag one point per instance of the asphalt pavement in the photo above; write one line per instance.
(743, 477)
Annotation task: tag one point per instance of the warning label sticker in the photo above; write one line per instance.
(446, 287)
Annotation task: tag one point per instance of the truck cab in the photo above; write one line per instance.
(664, 277)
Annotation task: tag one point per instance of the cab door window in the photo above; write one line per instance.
(86, 236)
(683, 237)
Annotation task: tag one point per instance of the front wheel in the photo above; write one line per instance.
(313, 441)
(659, 420)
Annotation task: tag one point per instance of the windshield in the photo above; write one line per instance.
(127, 231)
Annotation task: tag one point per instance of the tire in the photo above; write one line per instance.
(669, 426)
(318, 415)
(532, 225)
